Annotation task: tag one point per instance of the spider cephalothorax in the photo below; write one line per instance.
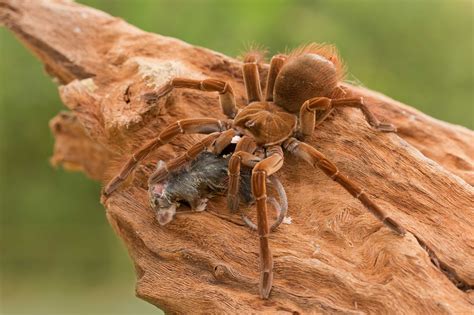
(298, 86)
(267, 123)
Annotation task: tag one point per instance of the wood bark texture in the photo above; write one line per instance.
(334, 257)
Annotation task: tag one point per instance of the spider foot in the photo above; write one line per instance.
(103, 196)
(112, 186)
(165, 89)
(153, 97)
(233, 203)
(386, 127)
(265, 286)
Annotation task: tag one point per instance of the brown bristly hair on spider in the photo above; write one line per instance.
(254, 52)
(310, 71)
(326, 51)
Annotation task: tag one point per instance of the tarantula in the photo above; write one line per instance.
(298, 86)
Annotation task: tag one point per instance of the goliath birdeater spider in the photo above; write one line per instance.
(298, 85)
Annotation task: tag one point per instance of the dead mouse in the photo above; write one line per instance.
(199, 181)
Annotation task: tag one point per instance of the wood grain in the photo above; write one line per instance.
(334, 257)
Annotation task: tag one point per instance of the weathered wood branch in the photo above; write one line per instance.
(334, 257)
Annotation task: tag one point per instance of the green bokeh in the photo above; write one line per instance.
(58, 254)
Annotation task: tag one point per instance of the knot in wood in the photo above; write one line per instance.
(222, 272)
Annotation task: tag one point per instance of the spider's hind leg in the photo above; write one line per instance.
(317, 159)
(310, 107)
(358, 102)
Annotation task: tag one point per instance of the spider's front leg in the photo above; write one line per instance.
(309, 108)
(189, 126)
(317, 159)
(226, 94)
(216, 142)
(260, 172)
(243, 154)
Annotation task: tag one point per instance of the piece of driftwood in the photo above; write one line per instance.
(334, 257)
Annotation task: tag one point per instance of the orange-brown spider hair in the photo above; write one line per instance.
(326, 51)
(254, 53)
(313, 70)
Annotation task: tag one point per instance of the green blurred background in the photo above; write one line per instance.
(59, 255)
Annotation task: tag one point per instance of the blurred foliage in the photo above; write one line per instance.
(58, 254)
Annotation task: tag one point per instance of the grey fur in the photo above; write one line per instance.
(205, 176)
(202, 178)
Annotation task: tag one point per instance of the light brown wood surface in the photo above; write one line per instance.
(334, 257)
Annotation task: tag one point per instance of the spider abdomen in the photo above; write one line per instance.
(311, 71)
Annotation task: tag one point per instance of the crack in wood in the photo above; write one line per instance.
(444, 268)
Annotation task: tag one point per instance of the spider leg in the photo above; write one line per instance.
(338, 92)
(276, 64)
(243, 154)
(309, 108)
(222, 141)
(272, 163)
(215, 141)
(324, 114)
(252, 82)
(198, 125)
(282, 208)
(308, 113)
(317, 159)
(226, 93)
(358, 102)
